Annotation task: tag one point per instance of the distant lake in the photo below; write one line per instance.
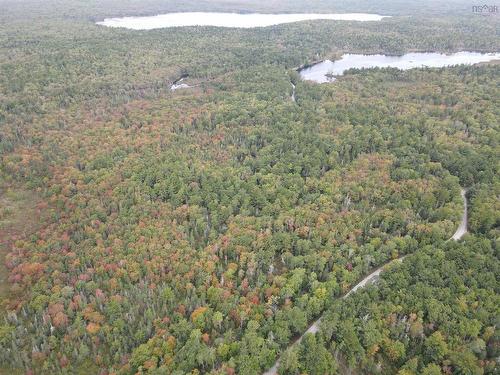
(238, 20)
(321, 72)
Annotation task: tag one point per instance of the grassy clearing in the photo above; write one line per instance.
(19, 217)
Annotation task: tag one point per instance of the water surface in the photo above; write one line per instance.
(179, 84)
(239, 20)
(462, 229)
(326, 70)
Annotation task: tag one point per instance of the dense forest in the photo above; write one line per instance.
(433, 314)
(150, 231)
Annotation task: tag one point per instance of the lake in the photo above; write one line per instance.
(238, 20)
(321, 72)
(180, 84)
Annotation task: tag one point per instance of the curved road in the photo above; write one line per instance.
(373, 277)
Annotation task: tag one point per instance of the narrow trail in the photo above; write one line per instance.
(372, 278)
